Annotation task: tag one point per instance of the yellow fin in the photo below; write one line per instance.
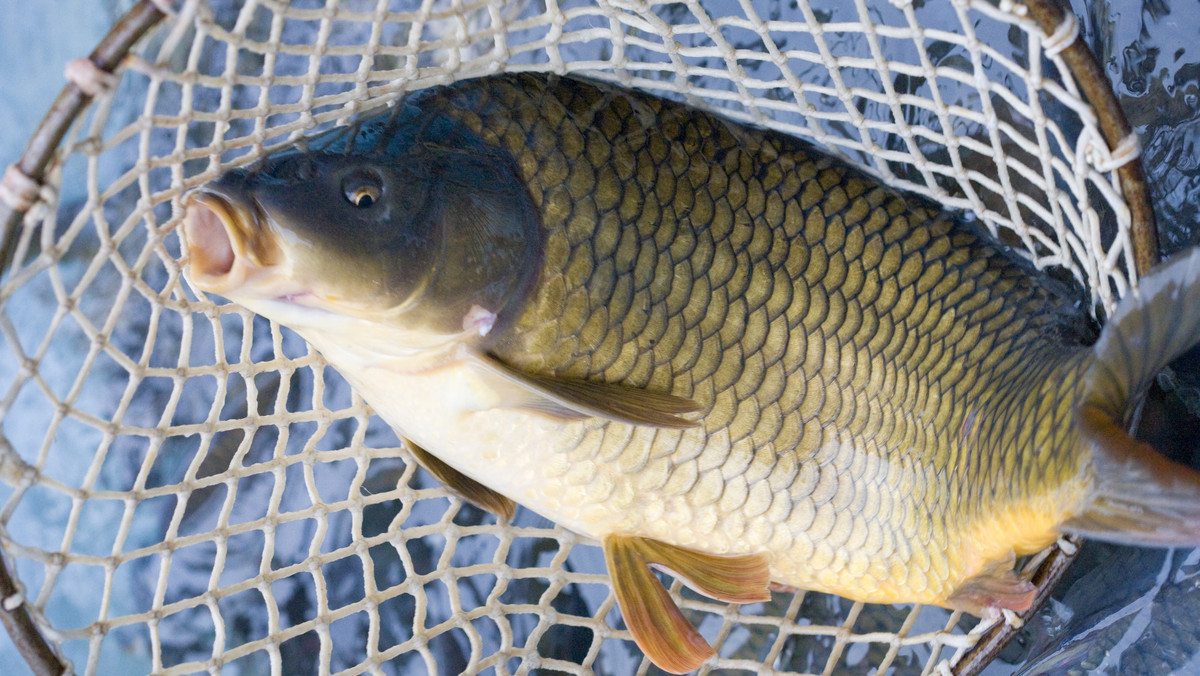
(572, 397)
(657, 625)
(467, 488)
(996, 588)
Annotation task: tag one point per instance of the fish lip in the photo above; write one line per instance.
(225, 241)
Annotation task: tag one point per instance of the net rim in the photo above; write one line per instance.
(22, 183)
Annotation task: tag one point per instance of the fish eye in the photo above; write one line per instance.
(362, 189)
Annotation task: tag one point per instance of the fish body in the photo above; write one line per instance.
(709, 346)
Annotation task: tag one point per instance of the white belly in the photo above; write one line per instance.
(542, 462)
(691, 488)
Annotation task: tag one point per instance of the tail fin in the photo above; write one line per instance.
(1138, 496)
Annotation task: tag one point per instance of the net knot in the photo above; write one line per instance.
(90, 78)
(1063, 36)
(17, 189)
(1104, 160)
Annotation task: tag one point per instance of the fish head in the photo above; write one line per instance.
(426, 233)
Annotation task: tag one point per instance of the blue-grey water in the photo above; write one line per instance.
(1121, 611)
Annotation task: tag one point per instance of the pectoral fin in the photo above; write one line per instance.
(657, 625)
(996, 588)
(467, 488)
(572, 397)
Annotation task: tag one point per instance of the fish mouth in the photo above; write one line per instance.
(226, 242)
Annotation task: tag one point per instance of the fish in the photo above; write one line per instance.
(710, 347)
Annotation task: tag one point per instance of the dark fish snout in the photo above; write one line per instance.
(208, 240)
(226, 240)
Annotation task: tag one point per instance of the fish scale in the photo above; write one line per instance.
(706, 345)
(813, 314)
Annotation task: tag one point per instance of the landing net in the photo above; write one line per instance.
(187, 487)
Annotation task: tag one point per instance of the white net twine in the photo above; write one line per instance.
(187, 487)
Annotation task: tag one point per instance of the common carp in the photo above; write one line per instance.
(706, 345)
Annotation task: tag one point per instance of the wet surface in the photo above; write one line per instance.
(1150, 51)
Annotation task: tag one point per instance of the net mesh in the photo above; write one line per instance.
(187, 487)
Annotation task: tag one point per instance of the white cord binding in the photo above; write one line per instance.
(1128, 150)
(1062, 37)
(17, 189)
(11, 603)
(90, 78)
(164, 6)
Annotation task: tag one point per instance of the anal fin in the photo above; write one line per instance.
(467, 488)
(573, 397)
(657, 624)
(994, 589)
